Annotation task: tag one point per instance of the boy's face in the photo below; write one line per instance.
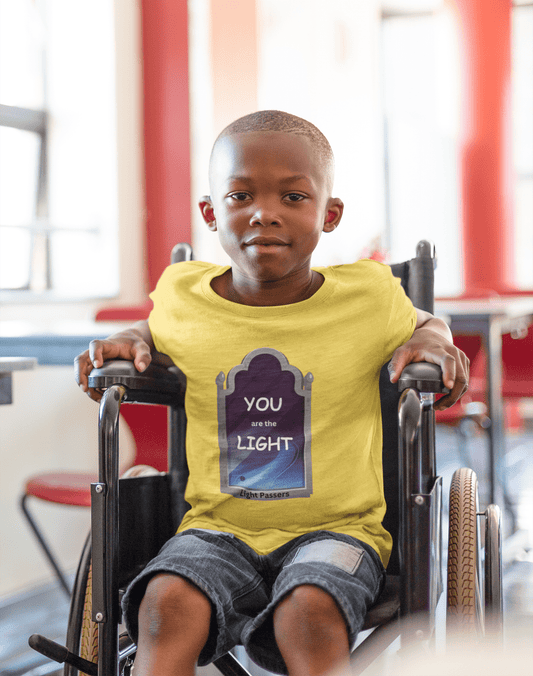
(269, 203)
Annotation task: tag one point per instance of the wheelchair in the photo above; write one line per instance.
(134, 516)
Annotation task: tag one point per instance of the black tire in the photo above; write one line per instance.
(82, 632)
(464, 615)
(493, 574)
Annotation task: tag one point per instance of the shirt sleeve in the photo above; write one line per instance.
(402, 319)
(158, 320)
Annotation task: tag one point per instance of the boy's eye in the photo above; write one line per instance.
(240, 196)
(294, 197)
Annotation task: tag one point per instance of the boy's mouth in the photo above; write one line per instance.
(265, 241)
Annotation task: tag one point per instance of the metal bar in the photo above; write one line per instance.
(373, 646)
(425, 577)
(428, 459)
(42, 225)
(6, 389)
(229, 665)
(42, 178)
(24, 119)
(177, 460)
(493, 340)
(181, 252)
(387, 14)
(109, 477)
(499, 493)
(60, 654)
(409, 411)
(98, 505)
(44, 545)
(420, 504)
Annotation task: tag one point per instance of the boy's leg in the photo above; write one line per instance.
(324, 584)
(191, 602)
(311, 632)
(174, 622)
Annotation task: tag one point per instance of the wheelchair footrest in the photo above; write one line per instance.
(60, 654)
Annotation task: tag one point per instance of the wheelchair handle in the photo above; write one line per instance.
(60, 654)
(422, 376)
(161, 381)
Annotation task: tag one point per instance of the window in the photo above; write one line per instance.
(421, 101)
(58, 182)
(421, 125)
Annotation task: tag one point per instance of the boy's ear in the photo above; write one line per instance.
(334, 211)
(208, 212)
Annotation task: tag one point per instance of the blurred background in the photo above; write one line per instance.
(108, 112)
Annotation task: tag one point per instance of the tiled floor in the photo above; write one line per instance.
(42, 611)
(45, 610)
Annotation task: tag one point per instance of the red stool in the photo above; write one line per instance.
(148, 425)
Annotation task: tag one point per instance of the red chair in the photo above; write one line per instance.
(517, 373)
(148, 425)
(471, 405)
(517, 358)
(517, 370)
(470, 413)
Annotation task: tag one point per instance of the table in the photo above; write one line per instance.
(53, 343)
(491, 318)
(7, 366)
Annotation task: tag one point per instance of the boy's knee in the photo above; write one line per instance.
(310, 631)
(172, 600)
(309, 604)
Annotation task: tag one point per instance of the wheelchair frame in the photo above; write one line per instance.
(474, 605)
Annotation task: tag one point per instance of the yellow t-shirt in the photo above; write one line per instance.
(284, 424)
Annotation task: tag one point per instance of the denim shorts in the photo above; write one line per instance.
(244, 587)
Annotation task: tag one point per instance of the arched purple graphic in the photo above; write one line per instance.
(264, 418)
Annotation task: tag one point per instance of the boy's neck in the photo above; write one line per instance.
(245, 291)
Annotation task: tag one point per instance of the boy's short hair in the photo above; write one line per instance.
(277, 120)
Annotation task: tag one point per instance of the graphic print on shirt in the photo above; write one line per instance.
(264, 428)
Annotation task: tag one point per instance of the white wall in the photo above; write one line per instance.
(51, 425)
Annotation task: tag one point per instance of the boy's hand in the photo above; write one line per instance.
(431, 343)
(130, 345)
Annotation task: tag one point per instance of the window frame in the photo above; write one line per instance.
(36, 122)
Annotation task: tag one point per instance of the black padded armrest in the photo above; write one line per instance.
(422, 376)
(157, 384)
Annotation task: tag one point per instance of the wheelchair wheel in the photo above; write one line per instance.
(493, 574)
(82, 633)
(89, 629)
(465, 584)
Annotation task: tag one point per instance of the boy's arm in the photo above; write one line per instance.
(135, 344)
(432, 341)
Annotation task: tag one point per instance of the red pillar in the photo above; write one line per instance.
(487, 190)
(166, 141)
(166, 130)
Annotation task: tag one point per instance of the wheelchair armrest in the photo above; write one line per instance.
(157, 384)
(422, 376)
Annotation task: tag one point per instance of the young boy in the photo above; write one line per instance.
(283, 548)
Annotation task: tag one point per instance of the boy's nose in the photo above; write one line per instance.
(264, 216)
